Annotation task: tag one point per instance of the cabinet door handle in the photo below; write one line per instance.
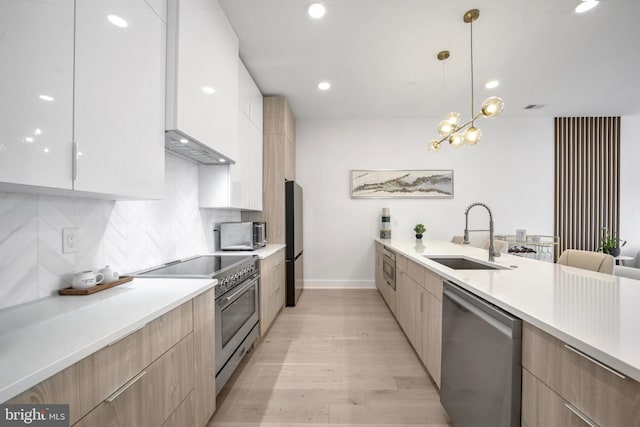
(580, 415)
(421, 303)
(74, 161)
(124, 388)
(591, 359)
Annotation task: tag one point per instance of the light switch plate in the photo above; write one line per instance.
(69, 240)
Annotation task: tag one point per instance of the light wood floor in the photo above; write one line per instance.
(338, 358)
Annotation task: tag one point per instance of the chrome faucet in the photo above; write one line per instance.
(492, 252)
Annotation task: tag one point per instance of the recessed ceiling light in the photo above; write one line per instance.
(222, 160)
(208, 89)
(586, 5)
(46, 98)
(316, 10)
(184, 140)
(46, 149)
(324, 85)
(28, 139)
(117, 21)
(38, 131)
(492, 84)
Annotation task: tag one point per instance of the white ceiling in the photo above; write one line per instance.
(541, 51)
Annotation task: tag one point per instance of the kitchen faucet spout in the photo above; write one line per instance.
(492, 252)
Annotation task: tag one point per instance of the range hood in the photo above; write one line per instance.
(201, 116)
(183, 145)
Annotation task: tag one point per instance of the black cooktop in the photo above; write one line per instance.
(206, 266)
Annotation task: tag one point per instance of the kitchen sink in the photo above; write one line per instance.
(461, 263)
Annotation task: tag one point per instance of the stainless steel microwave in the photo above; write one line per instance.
(242, 236)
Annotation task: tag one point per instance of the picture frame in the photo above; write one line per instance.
(405, 184)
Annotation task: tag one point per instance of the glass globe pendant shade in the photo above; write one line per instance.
(492, 107)
(445, 128)
(456, 139)
(472, 135)
(434, 146)
(453, 118)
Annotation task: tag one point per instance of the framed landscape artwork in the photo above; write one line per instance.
(407, 184)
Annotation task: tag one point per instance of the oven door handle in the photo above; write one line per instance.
(238, 292)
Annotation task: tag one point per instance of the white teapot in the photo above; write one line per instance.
(109, 275)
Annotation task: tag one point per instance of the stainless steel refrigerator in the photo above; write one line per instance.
(293, 233)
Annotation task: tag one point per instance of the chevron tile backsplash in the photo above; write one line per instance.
(126, 235)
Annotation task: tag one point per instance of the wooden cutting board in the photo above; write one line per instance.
(94, 289)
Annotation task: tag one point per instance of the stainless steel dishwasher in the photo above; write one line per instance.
(481, 361)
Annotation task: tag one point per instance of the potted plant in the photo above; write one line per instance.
(610, 244)
(419, 229)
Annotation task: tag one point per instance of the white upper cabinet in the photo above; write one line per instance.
(119, 98)
(239, 185)
(202, 74)
(255, 168)
(89, 72)
(36, 92)
(249, 96)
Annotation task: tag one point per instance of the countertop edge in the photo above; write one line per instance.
(262, 253)
(598, 354)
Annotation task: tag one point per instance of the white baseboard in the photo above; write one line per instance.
(339, 284)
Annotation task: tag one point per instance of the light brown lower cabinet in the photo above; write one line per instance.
(184, 415)
(432, 335)
(162, 374)
(61, 388)
(203, 398)
(402, 299)
(417, 307)
(149, 398)
(105, 371)
(271, 289)
(542, 407)
(584, 386)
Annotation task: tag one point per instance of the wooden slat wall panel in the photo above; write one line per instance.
(587, 180)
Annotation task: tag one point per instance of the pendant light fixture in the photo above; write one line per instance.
(450, 129)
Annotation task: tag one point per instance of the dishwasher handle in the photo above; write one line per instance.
(500, 320)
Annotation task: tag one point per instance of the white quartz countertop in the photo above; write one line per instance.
(262, 253)
(41, 338)
(596, 313)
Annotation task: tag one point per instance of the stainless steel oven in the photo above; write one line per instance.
(389, 267)
(237, 316)
(236, 303)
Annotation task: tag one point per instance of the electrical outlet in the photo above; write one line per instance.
(69, 240)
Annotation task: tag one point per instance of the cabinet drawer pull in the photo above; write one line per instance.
(122, 389)
(128, 335)
(591, 359)
(580, 415)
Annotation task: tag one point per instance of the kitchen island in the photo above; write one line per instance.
(580, 334)
(596, 313)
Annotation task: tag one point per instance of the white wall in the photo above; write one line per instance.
(630, 186)
(127, 235)
(511, 170)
